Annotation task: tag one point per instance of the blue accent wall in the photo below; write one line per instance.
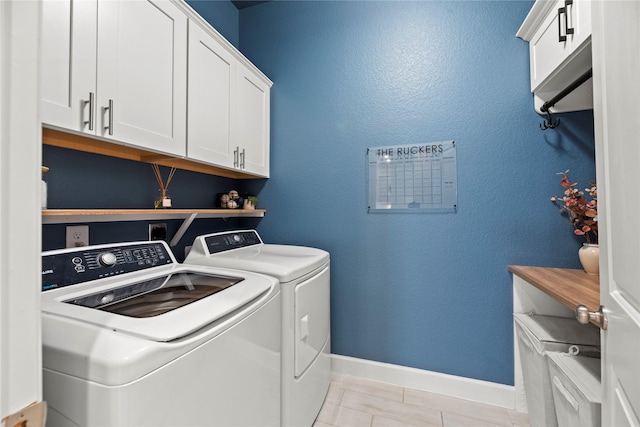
(429, 291)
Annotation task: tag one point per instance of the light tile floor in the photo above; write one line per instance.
(355, 402)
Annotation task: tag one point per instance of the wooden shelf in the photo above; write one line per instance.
(66, 216)
(567, 286)
(62, 216)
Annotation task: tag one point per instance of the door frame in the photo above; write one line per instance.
(20, 215)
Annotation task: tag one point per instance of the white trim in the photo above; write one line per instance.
(449, 385)
(537, 14)
(20, 208)
(206, 26)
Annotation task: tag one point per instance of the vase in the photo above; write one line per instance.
(589, 255)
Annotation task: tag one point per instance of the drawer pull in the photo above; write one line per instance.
(109, 127)
(568, 30)
(90, 102)
(562, 37)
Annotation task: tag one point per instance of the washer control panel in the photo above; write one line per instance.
(78, 265)
(226, 241)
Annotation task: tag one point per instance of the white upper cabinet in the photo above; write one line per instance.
(565, 29)
(116, 70)
(69, 61)
(229, 105)
(142, 65)
(211, 77)
(559, 36)
(253, 113)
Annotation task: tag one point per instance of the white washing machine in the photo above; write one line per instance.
(304, 282)
(132, 338)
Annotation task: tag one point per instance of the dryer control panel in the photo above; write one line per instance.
(221, 242)
(68, 267)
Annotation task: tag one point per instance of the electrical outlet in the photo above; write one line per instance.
(158, 231)
(77, 235)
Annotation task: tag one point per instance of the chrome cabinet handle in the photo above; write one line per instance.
(242, 159)
(235, 157)
(584, 316)
(109, 127)
(91, 118)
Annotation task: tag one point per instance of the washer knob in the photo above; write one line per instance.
(107, 259)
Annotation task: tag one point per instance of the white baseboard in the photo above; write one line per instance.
(449, 385)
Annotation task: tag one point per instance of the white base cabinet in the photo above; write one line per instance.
(116, 70)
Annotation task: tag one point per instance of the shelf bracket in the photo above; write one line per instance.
(183, 228)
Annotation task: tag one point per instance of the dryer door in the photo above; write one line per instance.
(312, 317)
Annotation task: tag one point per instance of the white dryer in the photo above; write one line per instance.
(303, 273)
(132, 338)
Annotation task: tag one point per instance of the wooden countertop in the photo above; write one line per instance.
(569, 287)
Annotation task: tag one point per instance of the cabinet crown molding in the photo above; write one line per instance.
(532, 22)
(194, 16)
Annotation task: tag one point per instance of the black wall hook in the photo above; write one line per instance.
(548, 123)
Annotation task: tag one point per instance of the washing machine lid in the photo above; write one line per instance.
(159, 303)
(244, 250)
(160, 308)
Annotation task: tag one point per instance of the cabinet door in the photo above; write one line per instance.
(547, 52)
(211, 75)
(579, 18)
(68, 63)
(545, 49)
(253, 114)
(142, 67)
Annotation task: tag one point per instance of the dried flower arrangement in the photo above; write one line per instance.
(582, 214)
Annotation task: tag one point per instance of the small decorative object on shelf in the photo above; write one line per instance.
(231, 200)
(164, 201)
(583, 216)
(589, 255)
(250, 202)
